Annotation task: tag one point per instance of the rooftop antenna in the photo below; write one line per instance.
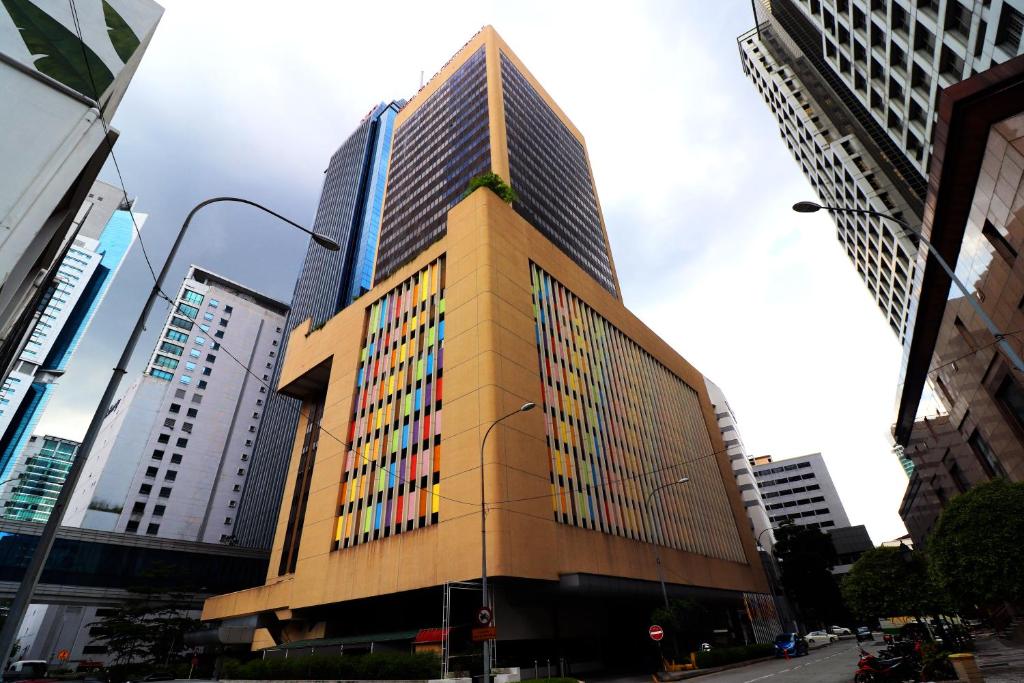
(421, 79)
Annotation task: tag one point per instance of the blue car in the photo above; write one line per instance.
(790, 644)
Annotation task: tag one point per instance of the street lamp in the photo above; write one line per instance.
(23, 597)
(812, 207)
(657, 553)
(528, 406)
(763, 532)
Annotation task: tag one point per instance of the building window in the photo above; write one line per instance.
(176, 407)
(241, 471)
(202, 384)
(1011, 398)
(165, 362)
(162, 374)
(958, 478)
(195, 353)
(181, 322)
(229, 309)
(213, 303)
(151, 471)
(190, 366)
(158, 455)
(207, 371)
(232, 504)
(210, 358)
(139, 507)
(158, 510)
(175, 458)
(171, 475)
(199, 341)
(191, 412)
(181, 442)
(165, 491)
(145, 489)
(153, 529)
(985, 455)
(1011, 26)
(227, 520)
(223, 322)
(169, 422)
(215, 346)
(998, 241)
(132, 526)
(300, 492)
(186, 427)
(168, 347)
(190, 312)
(204, 328)
(197, 398)
(236, 488)
(185, 379)
(179, 393)
(208, 316)
(192, 297)
(219, 334)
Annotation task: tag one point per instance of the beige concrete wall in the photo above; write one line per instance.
(491, 368)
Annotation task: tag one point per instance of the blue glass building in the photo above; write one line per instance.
(83, 279)
(349, 213)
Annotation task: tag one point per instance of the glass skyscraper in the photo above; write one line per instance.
(349, 213)
(490, 114)
(106, 234)
(37, 478)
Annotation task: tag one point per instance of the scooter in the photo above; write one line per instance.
(871, 669)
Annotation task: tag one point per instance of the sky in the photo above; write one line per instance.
(251, 99)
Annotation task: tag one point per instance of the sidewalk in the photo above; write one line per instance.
(1000, 661)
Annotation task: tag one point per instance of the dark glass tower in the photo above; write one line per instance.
(485, 112)
(349, 213)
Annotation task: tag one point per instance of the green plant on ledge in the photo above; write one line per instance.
(495, 184)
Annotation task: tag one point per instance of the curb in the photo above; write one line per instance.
(662, 676)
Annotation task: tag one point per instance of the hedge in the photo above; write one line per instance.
(377, 666)
(721, 656)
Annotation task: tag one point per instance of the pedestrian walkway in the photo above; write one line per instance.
(1000, 661)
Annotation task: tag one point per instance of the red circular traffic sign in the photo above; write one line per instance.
(656, 633)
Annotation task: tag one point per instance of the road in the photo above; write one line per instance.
(835, 663)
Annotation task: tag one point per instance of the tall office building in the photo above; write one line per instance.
(854, 86)
(104, 234)
(741, 465)
(172, 455)
(35, 481)
(799, 490)
(491, 114)
(382, 504)
(55, 136)
(349, 213)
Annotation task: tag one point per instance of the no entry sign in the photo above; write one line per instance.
(656, 633)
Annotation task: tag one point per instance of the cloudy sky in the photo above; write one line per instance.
(251, 98)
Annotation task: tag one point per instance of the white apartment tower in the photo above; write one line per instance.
(799, 490)
(854, 85)
(741, 467)
(172, 455)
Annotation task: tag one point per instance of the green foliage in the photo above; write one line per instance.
(122, 37)
(807, 557)
(57, 52)
(727, 655)
(975, 551)
(376, 666)
(686, 624)
(495, 184)
(885, 583)
(935, 664)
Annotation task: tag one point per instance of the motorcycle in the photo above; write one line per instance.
(871, 669)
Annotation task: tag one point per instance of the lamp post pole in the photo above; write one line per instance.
(483, 530)
(811, 207)
(657, 553)
(23, 597)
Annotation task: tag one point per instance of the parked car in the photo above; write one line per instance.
(790, 645)
(841, 631)
(864, 633)
(819, 638)
(26, 669)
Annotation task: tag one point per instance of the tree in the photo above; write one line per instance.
(975, 551)
(686, 623)
(886, 582)
(495, 184)
(807, 557)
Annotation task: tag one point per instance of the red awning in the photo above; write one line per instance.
(430, 635)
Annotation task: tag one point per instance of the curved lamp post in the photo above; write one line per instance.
(812, 207)
(529, 405)
(657, 553)
(23, 597)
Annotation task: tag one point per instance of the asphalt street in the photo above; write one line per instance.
(833, 663)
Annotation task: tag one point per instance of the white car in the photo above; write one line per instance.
(818, 638)
(841, 631)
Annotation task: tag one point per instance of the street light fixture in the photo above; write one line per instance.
(23, 597)
(812, 207)
(657, 553)
(526, 407)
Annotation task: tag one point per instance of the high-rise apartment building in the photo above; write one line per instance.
(349, 213)
(486, 114)
(854, 85)
(104, 233)
(799, 490)
(55, 136)
(741, 465)
(173, 453)
(382, 504)
(36, 479)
